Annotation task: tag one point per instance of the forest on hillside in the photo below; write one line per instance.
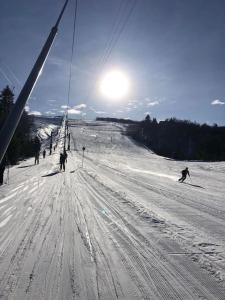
(178, 139)
(21, 145)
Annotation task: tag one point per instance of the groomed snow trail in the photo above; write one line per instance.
(121, 227)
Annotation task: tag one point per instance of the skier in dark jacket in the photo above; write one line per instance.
(62, 161)
(44, 153)
(37, 147)
(36, 158)
(184, 173)
(65, 154)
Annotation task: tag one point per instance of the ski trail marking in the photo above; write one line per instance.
(8, 197)
(4, 222)
(2, 207)
(26, 187)
(32, 190)
(153, 173)
(8, 209)
(17, 188)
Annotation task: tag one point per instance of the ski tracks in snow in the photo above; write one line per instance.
(89, 234)
(153, 273)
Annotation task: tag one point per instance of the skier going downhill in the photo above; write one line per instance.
(184, 173)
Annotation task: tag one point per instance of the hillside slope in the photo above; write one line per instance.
(121, 227)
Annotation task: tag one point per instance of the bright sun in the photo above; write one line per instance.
(114, 85)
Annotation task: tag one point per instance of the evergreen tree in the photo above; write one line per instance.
(147, 118)
(20, 145)
(6, 103)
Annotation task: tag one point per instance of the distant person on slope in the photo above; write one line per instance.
(36, 159)
(44, 153)
(37, 147)
(65, 154)
(184, 173)
(62, 161)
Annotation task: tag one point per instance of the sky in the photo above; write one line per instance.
(172, 52)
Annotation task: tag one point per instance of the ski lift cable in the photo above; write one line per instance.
(72, 54)
(114, 38)
(121, 11)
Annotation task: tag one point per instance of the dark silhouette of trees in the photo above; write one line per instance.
(21, 145)
(181, 139)
(177, 139)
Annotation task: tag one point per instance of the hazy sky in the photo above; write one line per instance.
(173, 53)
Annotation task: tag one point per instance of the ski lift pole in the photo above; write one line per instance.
(14, 117)
(83, 149)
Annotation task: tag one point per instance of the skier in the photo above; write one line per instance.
(184, 173)
(37, 147)
(65, 154)
(36, 160)
(44, 153)
(62, 161)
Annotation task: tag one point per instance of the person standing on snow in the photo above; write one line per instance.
(36, 158)
(184, 173)
(65, 154)
(62, 160)
(44, 153)
(37, 147)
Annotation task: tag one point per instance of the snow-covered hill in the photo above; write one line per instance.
(121, 227)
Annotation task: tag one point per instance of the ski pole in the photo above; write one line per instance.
(83, 156)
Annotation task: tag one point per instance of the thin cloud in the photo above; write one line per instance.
(217, 102)
(53, 60)
(50, 113)
(80, 106)
(27, 108)
(153, 103)
(99, 112)
(35, 113)
(74, 111)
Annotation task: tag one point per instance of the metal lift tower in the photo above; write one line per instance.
(14, 117)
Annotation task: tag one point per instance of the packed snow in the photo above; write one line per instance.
(120, 227)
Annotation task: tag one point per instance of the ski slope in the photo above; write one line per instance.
(121, 227)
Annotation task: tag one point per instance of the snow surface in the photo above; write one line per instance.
(121, 227)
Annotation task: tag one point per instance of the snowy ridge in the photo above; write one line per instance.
(45, 132)
(121, 227)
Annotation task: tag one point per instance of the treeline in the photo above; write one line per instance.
(177, 139)
(181, 139)
(21, 145)
(115, 120)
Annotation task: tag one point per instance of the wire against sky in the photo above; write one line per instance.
(125, 11)
(72, 54)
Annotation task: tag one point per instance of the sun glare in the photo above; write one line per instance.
(114, 85)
